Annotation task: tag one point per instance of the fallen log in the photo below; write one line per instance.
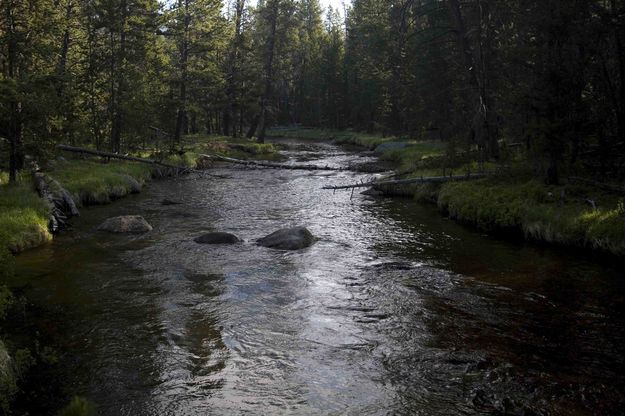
(82, 150)
(179, 170)
(269, 164)
(395, 182)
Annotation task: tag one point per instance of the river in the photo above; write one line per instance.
(395, 310)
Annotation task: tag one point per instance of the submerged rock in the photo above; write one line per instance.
(217, 238)
(294, 238)
(126, 224)
(170, 202)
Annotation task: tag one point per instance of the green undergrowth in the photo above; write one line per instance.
(238, 148)
(511, 200)
(93, 182)
(78, 406)
(23, 217)
(554, 214)
(414, 158)
(344, 137)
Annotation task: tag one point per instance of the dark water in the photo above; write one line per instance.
(394, 311)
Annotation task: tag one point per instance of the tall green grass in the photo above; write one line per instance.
(23, 217)
(552, 214)
(93, 182)
(239, 148)
(369, 141)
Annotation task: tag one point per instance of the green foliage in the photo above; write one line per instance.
(23, 217)
(408, 159)
(6, 297)
(94, 183)
(541, 212)
(78, 406)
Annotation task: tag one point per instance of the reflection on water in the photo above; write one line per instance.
(395, 310)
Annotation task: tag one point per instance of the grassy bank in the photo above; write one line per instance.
(345, 137)
(23, 217)
(511, 201)
(25, 367)
(236, 147)
(559, 215)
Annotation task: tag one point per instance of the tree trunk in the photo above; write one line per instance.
(253, 125)
(619, 34)
(229, 112)
(184, 56)
(118, 79)
(476, 72)
(16, 157)
(66, 40)
(271, 44)
(194, 129)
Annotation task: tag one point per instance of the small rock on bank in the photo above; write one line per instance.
(288, 239)
(126, 224)
(217, 238)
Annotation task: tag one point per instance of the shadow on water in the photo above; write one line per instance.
(395, 310)
(513, 328)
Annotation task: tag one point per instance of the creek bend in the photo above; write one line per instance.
(395, 310)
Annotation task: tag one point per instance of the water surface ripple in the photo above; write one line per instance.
(395, 310)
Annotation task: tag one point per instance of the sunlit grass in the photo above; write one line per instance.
(547, 213)
(92, 182)
(239, 148)
(23, 217)
(78, 406)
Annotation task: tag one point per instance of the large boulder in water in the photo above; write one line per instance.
(126, 224)
(217, 238)
(288, 239)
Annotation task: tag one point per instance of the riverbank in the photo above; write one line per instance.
(511, 201)
(24, 221)
(24, 216)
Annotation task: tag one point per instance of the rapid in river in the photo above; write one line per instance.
(394, 310)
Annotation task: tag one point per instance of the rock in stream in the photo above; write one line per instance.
(294, 238)
(126, 224)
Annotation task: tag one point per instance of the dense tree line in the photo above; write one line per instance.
(547, 75)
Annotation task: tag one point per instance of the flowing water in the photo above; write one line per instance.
(395, 310)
